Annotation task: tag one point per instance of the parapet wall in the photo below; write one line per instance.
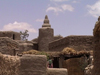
(76, 42)
(57, 71)
(11, 34)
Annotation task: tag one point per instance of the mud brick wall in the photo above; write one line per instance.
(10, 34)
(24, 45)
(35, 40)
(57, 71)
(58, 45)
(9, 65)
(96, 50)
(8, 45)
(57, 37)
(75, 66)
(33, 65)
(81, 42)
(76, 42)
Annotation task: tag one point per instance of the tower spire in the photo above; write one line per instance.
(46, 22)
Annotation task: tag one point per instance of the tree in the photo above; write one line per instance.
(24, 35)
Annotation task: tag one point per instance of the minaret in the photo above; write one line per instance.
(46, 35)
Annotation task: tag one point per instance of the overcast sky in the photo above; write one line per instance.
(67, 17)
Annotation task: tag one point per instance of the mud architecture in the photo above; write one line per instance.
(10, 43)
(96, 50)
(46, 40)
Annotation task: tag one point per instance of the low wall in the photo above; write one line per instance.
(27, 65)
(33, 65)
(57, 71)
(9, 65)
(76, 42)
(25, 46)
(75, 66)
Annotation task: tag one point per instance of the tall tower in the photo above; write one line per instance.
(46, 35)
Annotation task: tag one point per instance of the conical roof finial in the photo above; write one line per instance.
(46, 22)
(46, 17)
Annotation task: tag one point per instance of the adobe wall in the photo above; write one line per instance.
(76, 42)
(27, 65)
(37, 65)
(57, 37)
(75, 66)
(8, 45)
(96, 50)
(57, 71)
(9, 65)
(25, 46)
(35, 40)
(58, 45)
(33, 65)
(54, 38)
(10, 34)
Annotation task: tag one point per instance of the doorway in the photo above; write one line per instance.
(13, 36)
(56, 62)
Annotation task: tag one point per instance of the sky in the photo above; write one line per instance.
(67, 17)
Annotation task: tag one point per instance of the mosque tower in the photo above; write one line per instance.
(46, 35)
